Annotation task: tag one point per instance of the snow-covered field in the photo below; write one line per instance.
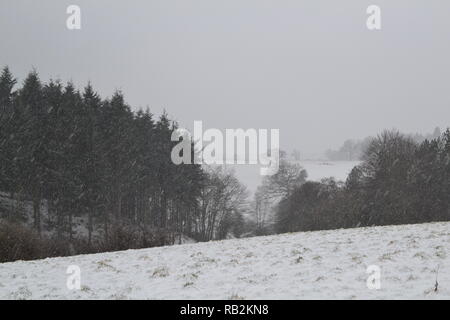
(324, 264)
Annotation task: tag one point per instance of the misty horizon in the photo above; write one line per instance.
(315, 72)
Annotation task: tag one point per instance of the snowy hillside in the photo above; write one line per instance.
(324, 264)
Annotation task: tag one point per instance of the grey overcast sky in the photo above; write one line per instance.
(310, 68)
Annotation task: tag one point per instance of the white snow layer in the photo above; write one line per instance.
(309, 265)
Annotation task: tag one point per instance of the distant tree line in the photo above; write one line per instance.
(95, 162)
(399, 181)
(353, 150)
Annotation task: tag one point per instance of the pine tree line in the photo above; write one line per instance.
(96, 161)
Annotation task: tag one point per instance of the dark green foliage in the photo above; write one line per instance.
(95, 162)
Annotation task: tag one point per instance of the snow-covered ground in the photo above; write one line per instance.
(323, 264)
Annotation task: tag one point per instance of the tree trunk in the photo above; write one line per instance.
(37, 214)
(70, 226)
(90, 217)
(105, 225)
